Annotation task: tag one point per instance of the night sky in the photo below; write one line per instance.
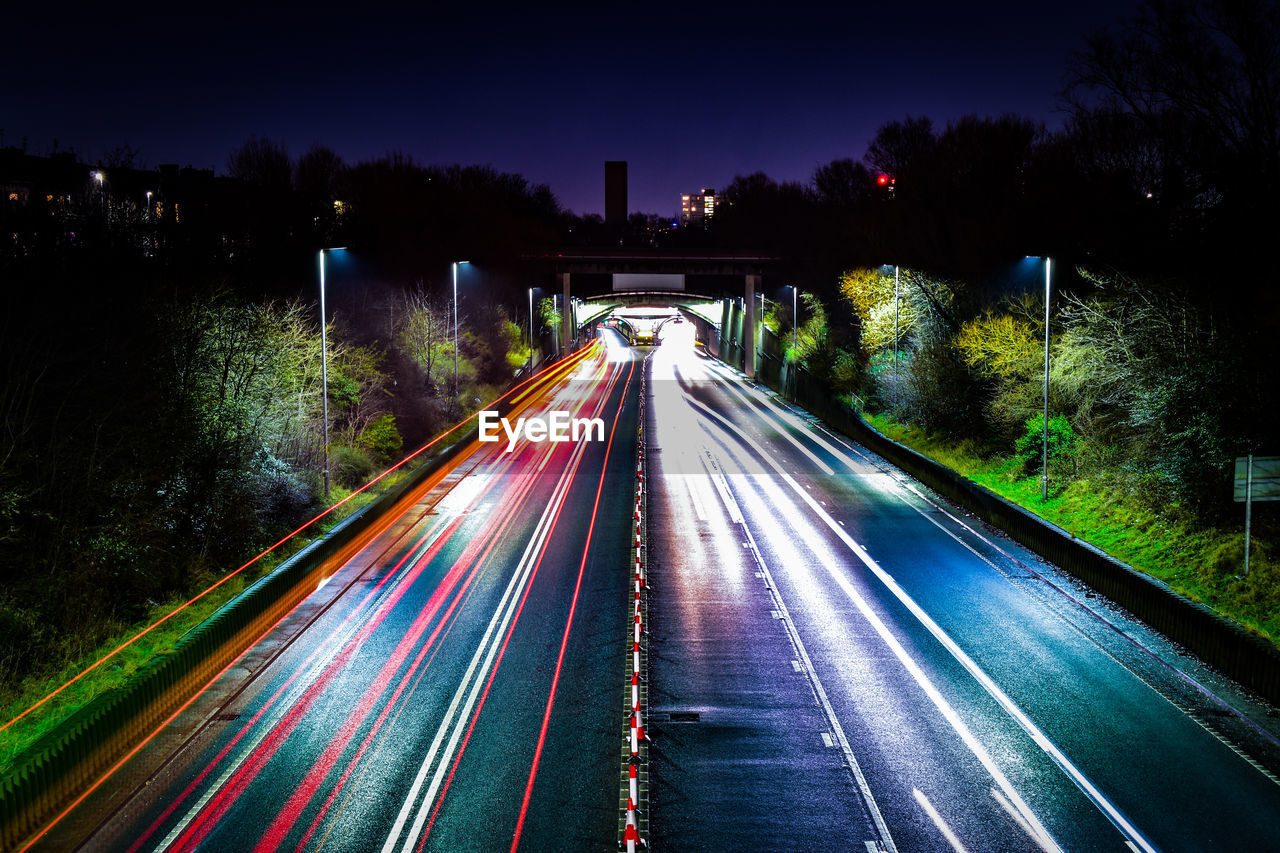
(690, 94)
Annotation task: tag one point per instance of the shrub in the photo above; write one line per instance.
(382, 439)
(1031, 446)
(351, 466)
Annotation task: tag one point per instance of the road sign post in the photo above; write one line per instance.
(1257, 479)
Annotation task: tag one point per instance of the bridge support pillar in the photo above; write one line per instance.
(749, 327)
(566, 313)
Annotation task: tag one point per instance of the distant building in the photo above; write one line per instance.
(615, 192)
(698, 208)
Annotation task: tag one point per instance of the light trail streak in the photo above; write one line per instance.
(573, 606)
(537, 380)
(460, 709)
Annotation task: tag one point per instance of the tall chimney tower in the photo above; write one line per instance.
(615, 192)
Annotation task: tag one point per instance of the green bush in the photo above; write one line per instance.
(382, 439)
(351, 466)
(1030, 445)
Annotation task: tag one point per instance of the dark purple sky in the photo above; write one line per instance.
(689, 93)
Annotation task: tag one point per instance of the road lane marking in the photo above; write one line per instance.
(697, 502)
(333, 645)
(938, 821)
(731, 504)
(827, 741)
(813, 426)
(1021, 822)
(460, 709)
(795, 664)
(1047, 746)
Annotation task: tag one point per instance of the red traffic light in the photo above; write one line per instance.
(882, 180)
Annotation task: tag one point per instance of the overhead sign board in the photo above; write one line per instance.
(648, 281)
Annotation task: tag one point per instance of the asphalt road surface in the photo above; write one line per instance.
(838, 660)
(458, 691)
(842, 661)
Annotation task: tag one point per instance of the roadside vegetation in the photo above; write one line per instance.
(1149, 404)
(133, 486)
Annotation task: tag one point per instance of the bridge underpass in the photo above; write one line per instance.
(622, 266)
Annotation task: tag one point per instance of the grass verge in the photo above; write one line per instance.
(16, 698)
(1198, 561)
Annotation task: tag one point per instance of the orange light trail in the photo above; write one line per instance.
(544, 377)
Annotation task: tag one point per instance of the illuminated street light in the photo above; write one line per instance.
(324, 367)
(455, 325)
(1044, 476)
(531, 290)
(795, 320)
(1044, 431)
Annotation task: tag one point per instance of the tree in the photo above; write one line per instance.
(426, 334)
(870, 292)
(261, 163)
(843, 183)
(1200, 79)
(899, 144)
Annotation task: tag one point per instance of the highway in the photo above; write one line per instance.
(837, 660)
(841, 661)
(455, 686)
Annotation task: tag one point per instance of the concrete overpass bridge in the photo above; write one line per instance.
(658, 278)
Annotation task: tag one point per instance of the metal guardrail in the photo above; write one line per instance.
(1247, 658)
(62, 764)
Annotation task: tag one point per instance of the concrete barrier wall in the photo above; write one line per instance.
(61, 765)
(1247, 658)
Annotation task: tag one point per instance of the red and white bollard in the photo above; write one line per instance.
(635, 788)
(632, 835)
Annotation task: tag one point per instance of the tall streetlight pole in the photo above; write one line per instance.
(531, 330)
(795, 320)
(455, 326)
(324, 369)
(1044, 459)
(895, 325)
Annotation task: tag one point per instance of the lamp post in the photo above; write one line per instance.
(895, 327)
(1044, 459)
(455, 325)
(324, 368)
(795, 320)
(531, 329)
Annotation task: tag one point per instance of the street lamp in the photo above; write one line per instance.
(531, 290)
(895, 326)
(455, 325)
(1044, 432)
(1044, 459)
(324, 368)
(795, 320)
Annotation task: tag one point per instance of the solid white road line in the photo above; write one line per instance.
(477, 672)
(1047, 746)
(1019, 819)
(731, 505)
(334, 644)
(938, 821)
